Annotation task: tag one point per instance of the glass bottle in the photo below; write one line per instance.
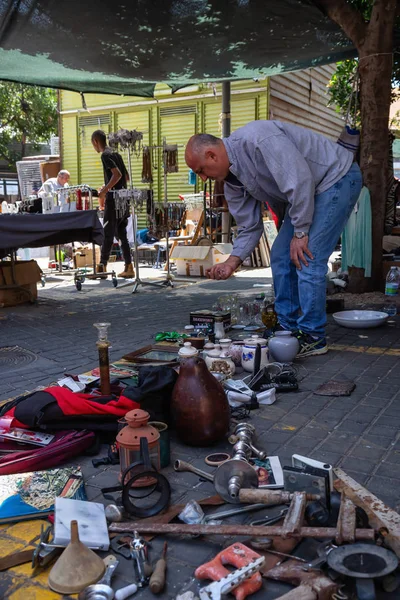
(392, 282)
(268, 314)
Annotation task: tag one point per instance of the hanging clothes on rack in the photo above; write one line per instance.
(357, 235)
(170, 158)
(147, 174)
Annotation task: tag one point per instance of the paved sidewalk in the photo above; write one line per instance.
(361, 433)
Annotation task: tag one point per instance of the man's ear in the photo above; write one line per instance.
(210, 154)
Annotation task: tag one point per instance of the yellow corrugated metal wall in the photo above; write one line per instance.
(212, 112)
(177, 124)
(243, 110)
(70, 153)
(91, 170)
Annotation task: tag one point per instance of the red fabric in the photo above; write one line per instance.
(72, 403)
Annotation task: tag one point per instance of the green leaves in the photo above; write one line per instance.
(27, 114)
(340, 90)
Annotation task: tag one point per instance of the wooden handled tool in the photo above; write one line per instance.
(157, 580)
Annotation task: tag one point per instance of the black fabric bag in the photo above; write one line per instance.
(154, 391)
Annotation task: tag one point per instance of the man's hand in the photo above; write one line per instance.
(298, 249)
(224, 270)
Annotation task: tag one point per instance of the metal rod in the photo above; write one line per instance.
(226, 108)
(166, 205)
(93, 245)
(239, 530)
(181, 465)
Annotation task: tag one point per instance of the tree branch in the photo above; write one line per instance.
(347, 17)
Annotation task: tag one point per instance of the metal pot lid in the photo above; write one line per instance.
(363, 561)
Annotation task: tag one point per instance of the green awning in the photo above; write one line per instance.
(127, 46)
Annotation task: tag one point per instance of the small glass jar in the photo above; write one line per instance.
(219, 330)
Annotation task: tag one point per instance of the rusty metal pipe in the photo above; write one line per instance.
(239, 530)
(270, 497)
(181, 465)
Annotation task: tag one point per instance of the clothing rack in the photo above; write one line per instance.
(86, 189)
(74, 188)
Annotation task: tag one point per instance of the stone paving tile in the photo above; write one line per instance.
(393, 457)
(359, 464)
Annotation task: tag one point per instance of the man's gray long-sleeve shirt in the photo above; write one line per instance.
(281, 164)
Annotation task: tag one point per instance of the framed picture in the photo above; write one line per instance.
(153, 355)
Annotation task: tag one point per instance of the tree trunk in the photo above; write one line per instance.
(374, 42)
(23, 145)
(375, 88)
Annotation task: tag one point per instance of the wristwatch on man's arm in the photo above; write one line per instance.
(300, 234)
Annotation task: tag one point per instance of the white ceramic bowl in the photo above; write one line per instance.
(360, 319)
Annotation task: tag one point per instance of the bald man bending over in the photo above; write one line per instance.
(302, 175)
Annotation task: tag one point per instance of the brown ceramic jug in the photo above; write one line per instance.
(199, 407)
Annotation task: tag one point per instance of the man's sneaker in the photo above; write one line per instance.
(310, 346)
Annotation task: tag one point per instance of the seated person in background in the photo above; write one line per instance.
(58, 182)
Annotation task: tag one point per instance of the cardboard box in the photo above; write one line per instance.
(193, 261)
(27, 274)
(207, 317)
(49, 168)
(83, 256)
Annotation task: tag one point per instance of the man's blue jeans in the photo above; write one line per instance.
(305, 290)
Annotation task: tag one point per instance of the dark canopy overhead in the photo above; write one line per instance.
(126, 46)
